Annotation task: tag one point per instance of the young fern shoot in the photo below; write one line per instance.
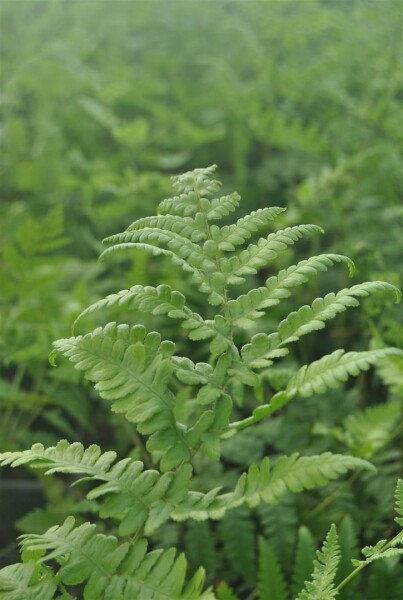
(137, 372)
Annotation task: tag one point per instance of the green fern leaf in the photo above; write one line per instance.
(278, 523)
(348, 549)
(399, 502)
(294, 473)
(322, 585)
(164, 300)
(249, 306)
(271, 582)
(229, 236)
(23, 582)
(334, 369)
(256, 256)
(312, 318)
(200, 547)
(261, 484)
(366, 432)
(381, 550)
(304, 557)
(222, 207)
(112, 571)
(198, 277)
(133, 370)
(307, 319)
(185, 204)
(157, 301)
(138, 499)
(187, 227)
(192, 188)
(181, 246)
(238, 536)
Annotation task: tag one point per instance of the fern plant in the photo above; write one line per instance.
(139, 373)
(332, 569)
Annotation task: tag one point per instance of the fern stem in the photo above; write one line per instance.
(239, 425)
(365, 564)
(349, 577)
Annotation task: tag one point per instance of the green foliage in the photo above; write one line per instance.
(142, 376)
(36, 280)
(304, 557)
(322, 585)
(27, 582)
(385, 549)
(236, 531)
(271, 585)
(332, 370)
(224, 592)
(111, 570)
(367, 432)
(299, 103)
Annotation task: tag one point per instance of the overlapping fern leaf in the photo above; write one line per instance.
(186, 229)
(142, 500)
(110, 570)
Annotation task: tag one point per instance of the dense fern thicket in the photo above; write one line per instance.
(299, 104)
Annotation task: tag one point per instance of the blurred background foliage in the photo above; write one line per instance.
(299, 104)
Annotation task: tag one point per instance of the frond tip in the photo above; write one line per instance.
(333, 369)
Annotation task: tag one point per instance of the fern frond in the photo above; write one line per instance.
(229, 236)
(304, 557)
(157, 301)
(155, 251)
(109, 570)
(138, 499)
(261, 484)
(185, 204)
(180, 245)
(192, 188)
(24, 582)
(322, 585)
(187, 227)
(381, 550)
(199, 546)
(399, 502)
(198, 179)
(312, 318)
(224, 592)
(348, 548)
(237, 533)
(278, 523)
(222, 207)
(249, 306)
(163, 300)
(293, 473)
(366, 432)
(133, 370)
(307, 319)
(256, 256)
(334, 369)
(271, 582)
